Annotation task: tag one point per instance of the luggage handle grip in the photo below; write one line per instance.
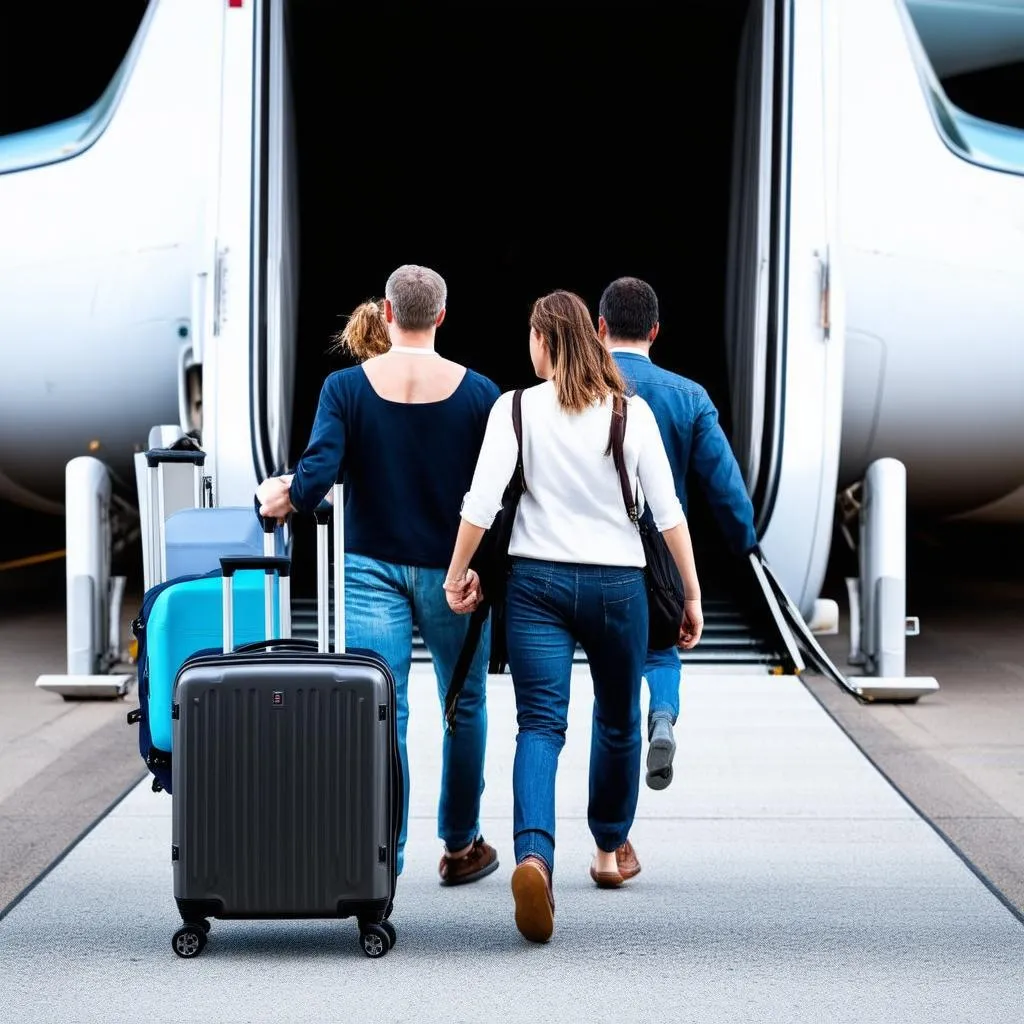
(157, 455)
(288, 644)
(230, 564)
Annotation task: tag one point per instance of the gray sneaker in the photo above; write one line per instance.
(660, 752)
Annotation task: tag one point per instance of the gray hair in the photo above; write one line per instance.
(417, 296)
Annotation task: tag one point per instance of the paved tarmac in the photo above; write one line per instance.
(958, 754)
(62, 763)
(783, 880)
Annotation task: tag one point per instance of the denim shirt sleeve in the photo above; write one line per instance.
(715, 465)
(319, 467)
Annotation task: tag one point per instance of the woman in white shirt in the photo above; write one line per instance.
(577, 577)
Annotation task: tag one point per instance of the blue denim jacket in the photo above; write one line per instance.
(694, 439)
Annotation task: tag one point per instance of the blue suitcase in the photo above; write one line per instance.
(183, 614)
(196, 539)
(188, 534)
(187, 617)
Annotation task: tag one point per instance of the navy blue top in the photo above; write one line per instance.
(405, 466)
(688, 421)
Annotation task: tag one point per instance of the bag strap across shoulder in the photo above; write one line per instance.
(479, 615)
(616, 436)
(517, 425)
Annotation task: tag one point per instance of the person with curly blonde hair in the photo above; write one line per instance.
(402, 430)
(365, 334)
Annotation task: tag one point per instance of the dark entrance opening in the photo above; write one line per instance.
(516, 149)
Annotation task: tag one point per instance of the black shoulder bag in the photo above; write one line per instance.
(491, 564)
(665, 596)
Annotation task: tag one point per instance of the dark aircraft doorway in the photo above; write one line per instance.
(540, 148)
(516, 150)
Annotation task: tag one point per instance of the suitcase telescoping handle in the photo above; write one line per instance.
(329, 513)
(271, 564)
(155, 458)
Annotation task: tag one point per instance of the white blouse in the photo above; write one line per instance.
(572, 510)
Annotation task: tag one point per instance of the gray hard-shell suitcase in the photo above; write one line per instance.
(287, 782)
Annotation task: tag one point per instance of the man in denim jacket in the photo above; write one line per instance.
(694, 439)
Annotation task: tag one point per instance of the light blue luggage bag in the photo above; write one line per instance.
(182, 611)
(195, 539)
(187, 618)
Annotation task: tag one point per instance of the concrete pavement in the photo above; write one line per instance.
(62, 763)
(783, 880)
(957, 754)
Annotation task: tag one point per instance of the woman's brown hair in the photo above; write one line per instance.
(584, 372)
(365, 334)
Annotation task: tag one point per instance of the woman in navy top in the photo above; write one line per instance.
(402, 432)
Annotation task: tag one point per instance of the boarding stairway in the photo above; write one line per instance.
(749, 621)
(731, 636)
(743, 625)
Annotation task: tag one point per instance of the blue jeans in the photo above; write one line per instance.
(662, 672)
(550, 607)
(382, 601)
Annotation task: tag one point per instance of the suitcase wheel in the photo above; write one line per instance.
(374, 938)
(190, 940)
(390, 929)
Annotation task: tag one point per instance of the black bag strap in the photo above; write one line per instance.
(479, 615)
(477, 618)
(517, 426)
(616, 436)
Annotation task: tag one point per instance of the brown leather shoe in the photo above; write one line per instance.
(535, 902)
(604, 879)
(625, 858)
(478, 863)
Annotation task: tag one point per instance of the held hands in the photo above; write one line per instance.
(463, 595)
(274, 497)
(692, 625)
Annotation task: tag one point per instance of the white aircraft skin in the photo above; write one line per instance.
(933, 250)
(922, 360)
(99, 251)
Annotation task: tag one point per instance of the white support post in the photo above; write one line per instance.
(881, 592)
(856, 656)
(883, 554)
(92, 642)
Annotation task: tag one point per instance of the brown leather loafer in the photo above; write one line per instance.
(535, 902)
(625, 858)
(481, 860)
(604, 879)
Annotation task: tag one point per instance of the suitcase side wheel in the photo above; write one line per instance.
(189, 940)
(390, 929)
(374, 939)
